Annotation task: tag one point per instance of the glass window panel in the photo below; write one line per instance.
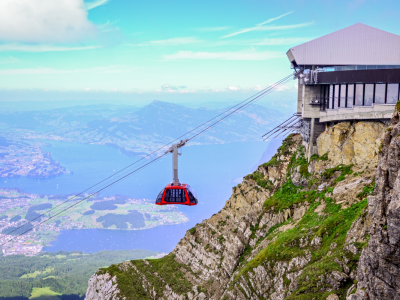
(350, 95)
(159, 197)
(380, 90)
(175, 195)
(392, 93)
(359, 94)
(342, 102)
(336, 97)
(369, 94)
(331, 96)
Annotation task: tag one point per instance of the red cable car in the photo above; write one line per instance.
(176, 192)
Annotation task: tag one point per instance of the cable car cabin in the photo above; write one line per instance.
(177, 194)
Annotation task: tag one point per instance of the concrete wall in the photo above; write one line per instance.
(309, 92)
(375, 112)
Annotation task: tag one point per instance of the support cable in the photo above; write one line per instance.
(148, 155)
(246, 102)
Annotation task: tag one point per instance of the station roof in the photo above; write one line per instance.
(358, 44)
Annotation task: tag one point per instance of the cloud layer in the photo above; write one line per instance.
(44, 21)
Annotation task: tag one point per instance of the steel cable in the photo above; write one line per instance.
(248, 101)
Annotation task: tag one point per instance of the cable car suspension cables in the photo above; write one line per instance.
(105, 183)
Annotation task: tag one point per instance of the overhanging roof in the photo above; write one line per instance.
(358, 44)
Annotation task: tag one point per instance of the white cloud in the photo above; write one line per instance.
(94, 4)
(257, 26)
(238, 55)
(261, 26)
(41, 48)
(108, 26)
(211, 29)
(173, 87)
(168, 88)
(274, 19)
(50, 71)
(276, 41)
(44, 21)
(171, 42)
(270, 28)
(234, 88)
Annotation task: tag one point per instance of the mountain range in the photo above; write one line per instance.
(138, 130)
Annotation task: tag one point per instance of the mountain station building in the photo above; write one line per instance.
(348, 75)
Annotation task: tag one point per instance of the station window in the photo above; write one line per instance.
(392, 93)
(359, 94)
(330, 103)
(380, 92)
(343, 91)
(342, 95)
(336, 96)
(350, 95)
(368, 94)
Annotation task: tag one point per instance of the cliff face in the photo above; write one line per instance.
(378, 274)
(292, 230)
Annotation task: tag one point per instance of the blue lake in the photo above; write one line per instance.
(210, 170)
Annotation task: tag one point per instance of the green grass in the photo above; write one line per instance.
(344, 169)
(31, 275)
(44, 294)
(288, 195)
(258, 177)
(37, 273)
(166, 267)
(367, 190)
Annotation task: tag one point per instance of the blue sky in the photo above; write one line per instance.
(142, 50)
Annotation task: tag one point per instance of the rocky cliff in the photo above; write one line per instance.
(294, 229)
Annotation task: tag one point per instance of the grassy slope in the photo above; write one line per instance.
(131, 285)
(332, 228)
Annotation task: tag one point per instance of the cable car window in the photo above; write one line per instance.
(192, 199)
(191, 190)
(175, 195)
(159, 197)
(191, 194)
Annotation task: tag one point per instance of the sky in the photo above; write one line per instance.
(183, 51)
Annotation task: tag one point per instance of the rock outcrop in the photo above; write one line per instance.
(351, 143)
(294, 229)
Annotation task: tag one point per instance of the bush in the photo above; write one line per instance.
(18, 230)
(136, 219)
(104, 205)
(15, 219)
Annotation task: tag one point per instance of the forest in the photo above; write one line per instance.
(63, 272)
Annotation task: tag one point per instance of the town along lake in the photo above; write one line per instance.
(209, 169)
